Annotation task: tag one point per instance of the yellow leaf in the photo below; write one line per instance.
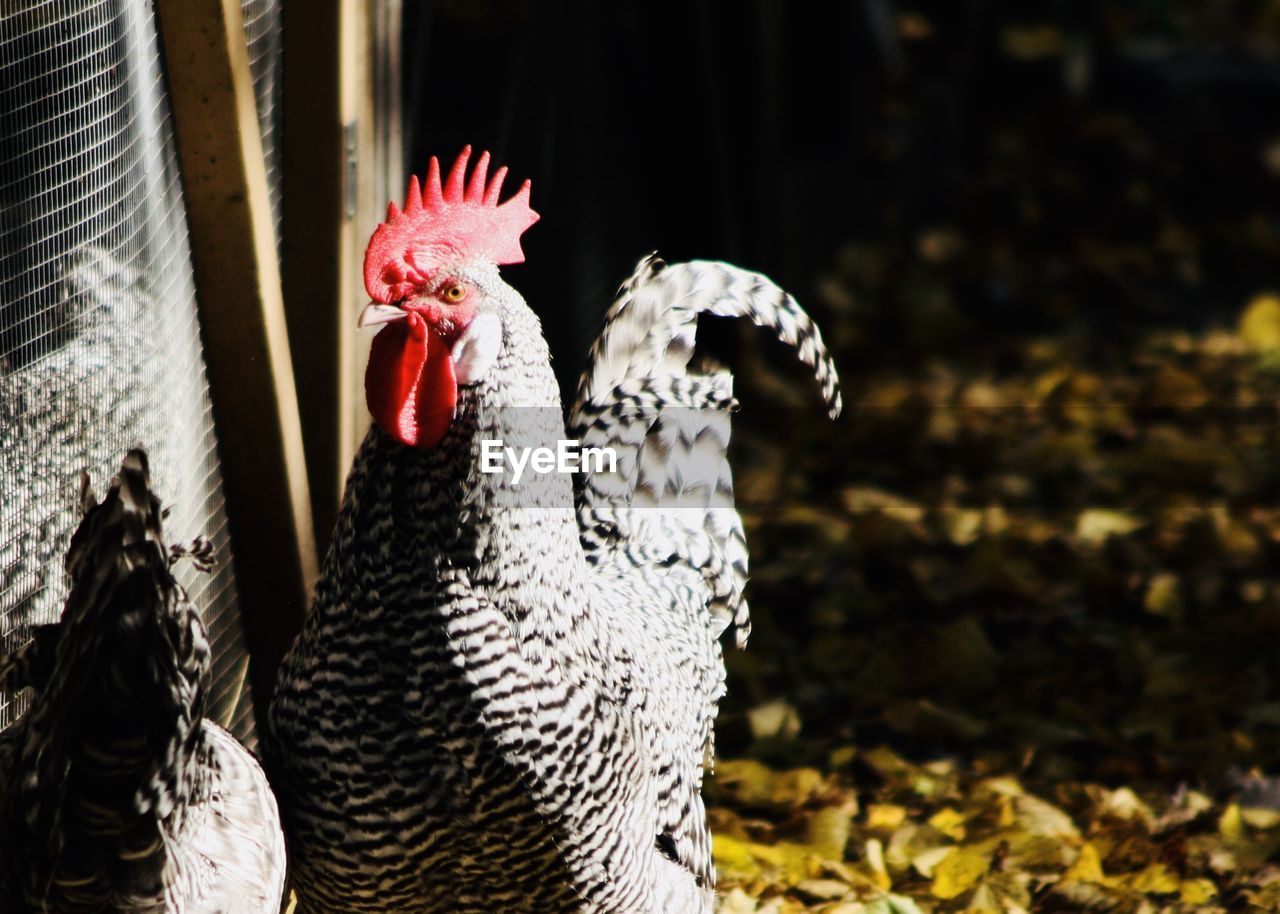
(909, 842)
(949, 822)
(1043, 819)
(875, 864)
(822, 889)
(1124, 804)
(858, 875)
(1001, 893)
(1005, 815)
(1095, 525)
(958, 872)
(1039, 852)
(1163, 597)
(1260, 818)
(828, 831)
(785, 861)
(1266, 898)
(1157, 879)
(842, 757)
(1087, 868)
(775, 718)
(926, 862)
(961, 525)
(1197, 891)
(999, 786)
(733, 856)
(885, 815)
(753, 784)
(1260, 323)
(1231, 823)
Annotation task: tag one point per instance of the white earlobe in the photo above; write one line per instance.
(476, 349)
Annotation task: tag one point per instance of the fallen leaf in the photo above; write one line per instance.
(828, 831)
(885, 815)
(892, 904)
(776, 718)
(1156, 879)
(949, 822)
(1087, 868)
(1197, 891)
(821, 889)
(958, 872)
(1095, 525)
(1260, 323)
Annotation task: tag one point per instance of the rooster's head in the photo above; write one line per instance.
(426, 271)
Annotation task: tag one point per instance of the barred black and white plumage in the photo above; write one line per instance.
(503, 694)
(116, 794)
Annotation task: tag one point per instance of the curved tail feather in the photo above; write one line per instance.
(669, 428)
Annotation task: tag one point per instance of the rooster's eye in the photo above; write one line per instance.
(455, 292)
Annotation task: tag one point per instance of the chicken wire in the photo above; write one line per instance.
(99, 341)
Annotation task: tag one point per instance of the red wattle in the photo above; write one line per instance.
(409, 384)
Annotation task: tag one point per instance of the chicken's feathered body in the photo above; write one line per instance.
(116, 795)
(503, 694)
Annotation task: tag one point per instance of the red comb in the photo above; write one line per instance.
(462, 219)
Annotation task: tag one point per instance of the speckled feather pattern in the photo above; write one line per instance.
(116, 795)
(504, 702)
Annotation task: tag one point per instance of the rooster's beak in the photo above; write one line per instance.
(375, 313)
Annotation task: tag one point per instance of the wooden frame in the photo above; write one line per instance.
(371, 116)
(313, 251)
(285, 447)
(242, 314)
(341, 87)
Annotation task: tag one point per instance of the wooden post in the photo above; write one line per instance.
(341, 158)
(370, 105)
(242, 316)
(314, 226)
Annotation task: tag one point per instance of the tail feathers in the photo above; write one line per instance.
(112, 752)
(650, 330)
(671, 496)
(127, 524)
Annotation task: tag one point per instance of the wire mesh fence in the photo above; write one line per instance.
(99, 340)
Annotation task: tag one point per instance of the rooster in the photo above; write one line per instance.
(503, 694)
(116, 794)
